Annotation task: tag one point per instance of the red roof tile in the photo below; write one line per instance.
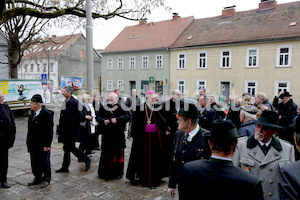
(56, 45)
(245, 26)
(147, 36)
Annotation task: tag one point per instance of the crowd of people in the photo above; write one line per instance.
(248, 153)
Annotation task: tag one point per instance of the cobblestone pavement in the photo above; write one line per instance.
(77, 184)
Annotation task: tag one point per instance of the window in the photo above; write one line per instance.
(109, 85)
(145, 62)
(181, 86)
(181, 61)
(201, 84)
(38, 67)
(51, 67)
(31, 68)
(132, 62)
(109, 64)
(251, 87)
(159, 61)
(252, 57)
(282, 85)
(44, 67)
(202, 59)
(120, 64)
(284, 54)
(120, 85)
(81, 54)
(225, 58)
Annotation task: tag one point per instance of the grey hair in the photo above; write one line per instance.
(176, 90)
(263, 96)
(69, 89)
(85, 97)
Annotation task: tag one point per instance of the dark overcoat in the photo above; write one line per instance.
(7, 127)
(40, 130)
(219, 179)
(289, 181)
(70, 118)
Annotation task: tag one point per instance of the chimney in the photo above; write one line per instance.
(143, 22)
(176, 16)
(267, 4)
(53, 36)
(228, 11)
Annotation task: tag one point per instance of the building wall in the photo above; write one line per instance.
(72, 63)
(265, 75)
(138, 74)
(4, 68)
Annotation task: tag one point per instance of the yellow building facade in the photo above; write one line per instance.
(259, 67)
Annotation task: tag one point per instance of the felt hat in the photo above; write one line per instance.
(190, 111)
(285, 94)
(222, 129)
(37, 98)
(269, 119)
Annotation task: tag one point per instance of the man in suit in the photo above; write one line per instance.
(70, 118)
(218, 178)
(7, 138)
(262, 154)
(207, 114)
(289, 175)
(189, 145)
(39, 139)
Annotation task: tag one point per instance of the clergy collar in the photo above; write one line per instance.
(252, 142)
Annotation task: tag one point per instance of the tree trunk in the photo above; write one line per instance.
(14, 56)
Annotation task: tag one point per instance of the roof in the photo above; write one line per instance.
(246, 26)
(147, 36)
(55, 46)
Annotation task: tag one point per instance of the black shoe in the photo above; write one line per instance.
(34, 182)
(152, 187)
(61, 170)
(87, 164)
(44, 184)
(79, 160)
(5, 185)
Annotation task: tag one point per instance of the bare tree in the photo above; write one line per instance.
(25, 21)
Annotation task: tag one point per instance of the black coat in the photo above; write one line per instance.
(219, 179)
(70, 118)
(287, 111)
(7, 127)
(40, 130)
(197, 149)
(113, 136)
(206, 118)
(220, 114)
(289, 181)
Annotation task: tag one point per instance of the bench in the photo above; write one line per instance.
(19, 104)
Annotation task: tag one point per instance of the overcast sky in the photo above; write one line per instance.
(106, 30)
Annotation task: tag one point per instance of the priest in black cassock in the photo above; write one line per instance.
(112, 119)
(148, 127)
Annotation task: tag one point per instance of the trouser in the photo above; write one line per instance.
(3, 164)
(68, 148)
(40, 164)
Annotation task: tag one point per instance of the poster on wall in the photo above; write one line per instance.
(18, 89)
(75, 82)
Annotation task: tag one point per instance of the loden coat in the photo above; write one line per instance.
(250, 157)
